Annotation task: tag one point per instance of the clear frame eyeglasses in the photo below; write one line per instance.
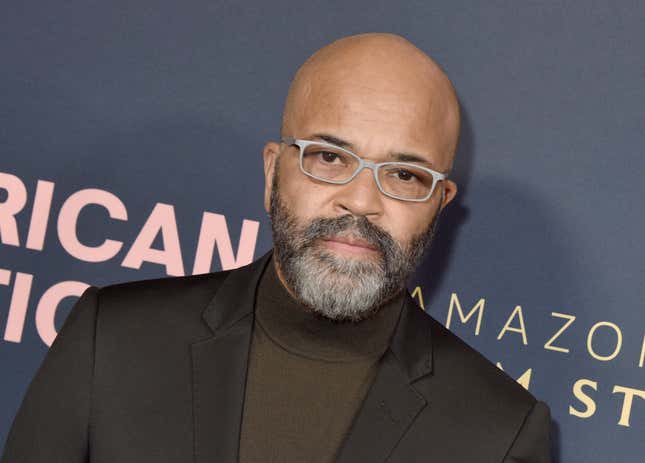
(333, 164)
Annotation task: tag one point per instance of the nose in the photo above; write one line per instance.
(361, 196)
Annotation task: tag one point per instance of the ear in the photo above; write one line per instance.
(449, 192)
(270, 154)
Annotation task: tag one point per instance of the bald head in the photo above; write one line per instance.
(369, 83)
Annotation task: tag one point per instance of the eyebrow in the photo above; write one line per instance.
(400, 157)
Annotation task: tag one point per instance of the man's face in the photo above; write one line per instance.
(335, 279)
(376, 116)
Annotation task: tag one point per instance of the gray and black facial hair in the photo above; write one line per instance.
(335, 287)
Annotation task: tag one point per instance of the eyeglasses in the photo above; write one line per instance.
(332, 164)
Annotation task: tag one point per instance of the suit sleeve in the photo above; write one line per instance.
(52, 422)
(532, 444)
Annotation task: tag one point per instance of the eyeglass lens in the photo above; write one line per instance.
(402, 180)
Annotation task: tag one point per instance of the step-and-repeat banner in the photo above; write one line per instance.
(130, 148)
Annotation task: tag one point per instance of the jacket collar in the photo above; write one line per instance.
(235, 298)
(411, 343)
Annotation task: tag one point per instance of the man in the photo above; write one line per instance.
(315, 352)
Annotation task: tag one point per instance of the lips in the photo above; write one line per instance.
(352, 242)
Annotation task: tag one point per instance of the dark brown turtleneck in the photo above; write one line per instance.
(307, 376)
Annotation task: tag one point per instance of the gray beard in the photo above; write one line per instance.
(337, 288)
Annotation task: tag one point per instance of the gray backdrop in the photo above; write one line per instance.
(170, 102)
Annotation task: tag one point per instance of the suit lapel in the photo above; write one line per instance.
(388, 410)
(219, 365)
(392, 403)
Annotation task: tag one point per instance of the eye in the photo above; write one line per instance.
(405, 175)
(328, 156)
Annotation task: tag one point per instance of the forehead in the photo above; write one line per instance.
(377, 114)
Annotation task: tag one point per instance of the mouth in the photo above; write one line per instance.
(349, 245)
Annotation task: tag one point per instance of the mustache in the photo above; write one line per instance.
(355, 226)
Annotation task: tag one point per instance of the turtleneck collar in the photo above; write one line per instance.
(296, 329)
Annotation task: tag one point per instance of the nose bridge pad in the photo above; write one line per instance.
(371, 166)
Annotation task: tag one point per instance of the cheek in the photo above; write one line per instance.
(407, 220)
(305, 198)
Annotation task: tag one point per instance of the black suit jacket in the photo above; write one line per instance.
(154, 371)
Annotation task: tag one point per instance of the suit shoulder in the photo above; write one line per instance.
(163, 295)
(164, 284)
(467, 394)
(453, 354)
